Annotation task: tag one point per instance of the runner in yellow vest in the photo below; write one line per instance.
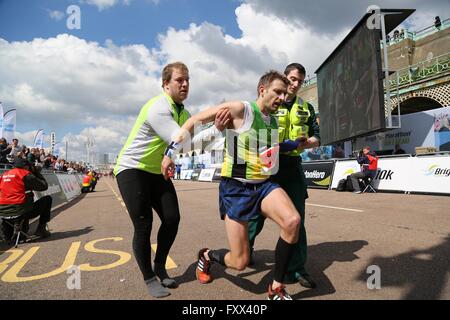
(297, 125)
(245, 190)
(141, 183)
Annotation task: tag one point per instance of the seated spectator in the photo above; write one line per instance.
(369, 164)
(16, 195)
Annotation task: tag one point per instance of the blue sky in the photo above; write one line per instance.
(138, 22)
(93, 81)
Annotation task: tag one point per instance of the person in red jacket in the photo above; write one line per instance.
(369, 165)
(16, 195)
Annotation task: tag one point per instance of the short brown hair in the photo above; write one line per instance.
(168, 69)
(270, 77)
(295, 66)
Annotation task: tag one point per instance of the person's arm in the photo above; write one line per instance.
(221, 121)
(160, 118)
(35, 181)
(236, 109)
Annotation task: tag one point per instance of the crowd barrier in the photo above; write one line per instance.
(408, 174)
(62, 187)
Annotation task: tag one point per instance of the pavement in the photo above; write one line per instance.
(361, 246)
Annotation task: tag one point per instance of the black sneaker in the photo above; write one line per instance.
(42, 231)
(306, 281)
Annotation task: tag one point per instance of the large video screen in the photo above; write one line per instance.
(350, 88)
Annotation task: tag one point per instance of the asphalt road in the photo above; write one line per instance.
(354, 240)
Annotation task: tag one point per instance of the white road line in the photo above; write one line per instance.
(347, 209)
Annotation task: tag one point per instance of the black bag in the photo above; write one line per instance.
(342, 184)
(349, 184)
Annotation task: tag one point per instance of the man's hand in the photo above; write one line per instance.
(223, 119)
(307, 143)
(303, 143)
(167, 166)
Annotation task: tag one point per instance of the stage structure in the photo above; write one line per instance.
(354, 92)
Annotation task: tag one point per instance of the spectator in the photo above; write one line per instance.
(396, 35)
(16, 200)
(437, 22)
(5, 150)
(15, 149)
(31, 158)
(369, 164)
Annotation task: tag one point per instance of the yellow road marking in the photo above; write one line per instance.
(90, 246)
(12, 275)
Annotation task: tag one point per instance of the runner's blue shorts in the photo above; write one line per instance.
(242, 201)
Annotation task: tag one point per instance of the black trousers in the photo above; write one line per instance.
(143, 191)
(41, 209)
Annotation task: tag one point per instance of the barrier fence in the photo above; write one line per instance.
(416, 174)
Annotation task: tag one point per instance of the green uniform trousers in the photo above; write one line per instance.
(291, 178)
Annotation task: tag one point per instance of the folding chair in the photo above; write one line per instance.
(367, 181)
(18, 224)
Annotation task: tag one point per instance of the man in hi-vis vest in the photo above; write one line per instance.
(141, 184)
(297, 126)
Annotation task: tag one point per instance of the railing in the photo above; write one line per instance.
(417, 35)
(309, 81)
(421, 71)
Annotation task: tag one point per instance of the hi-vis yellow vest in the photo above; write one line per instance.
(144, 148)
(293, 124)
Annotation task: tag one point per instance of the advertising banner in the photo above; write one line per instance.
(196, 174)
(70, 185)
(206, 175)
(54, 190)
(186, 174)
(318, 173)
(394, 174)
(342, 169)
(430, 174)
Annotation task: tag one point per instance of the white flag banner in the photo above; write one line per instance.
(39, 139)
(9, 125)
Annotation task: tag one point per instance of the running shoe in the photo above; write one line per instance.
(278, 293)
(202, 271)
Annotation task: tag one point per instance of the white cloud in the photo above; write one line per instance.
(56, 15)
(66, 81)
(105, 4)
(69, 84)
(330, 17)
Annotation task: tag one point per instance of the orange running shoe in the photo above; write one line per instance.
(278, 293)
(202, 271)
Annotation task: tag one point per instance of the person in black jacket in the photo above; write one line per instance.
(16, 195)
(5, 149)
(368, 160)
